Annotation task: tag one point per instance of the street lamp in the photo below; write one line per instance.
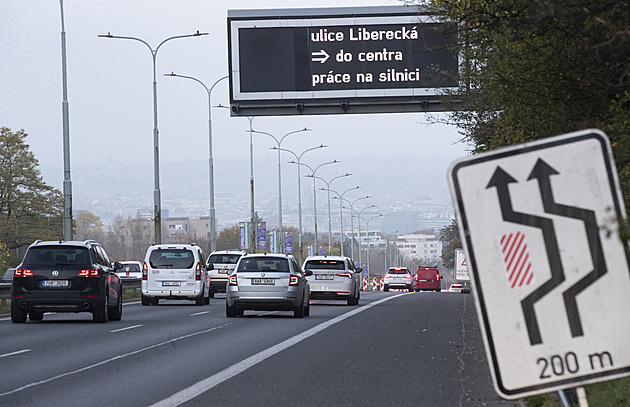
(368, 237)
(312, 175)
(67, 181)
(359, 215)
(352, 220)
(299, 158)
(347, 174)
(213, 224)
(157, 209)
(279, 142)
(340, 197)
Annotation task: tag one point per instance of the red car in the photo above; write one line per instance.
(427, 279)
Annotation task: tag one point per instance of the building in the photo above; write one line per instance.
(424, 247)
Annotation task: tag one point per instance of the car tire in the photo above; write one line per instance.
(299, 311)
(206, 300)
(18, 315)
(230, 312)
(35, 315)
(354, 300)
(145, 300)
(386, 288)
(201, 300)
(411, 289)
(211, 294)
(101, 314)
(154, 301)
(307, 309)
(115, 313)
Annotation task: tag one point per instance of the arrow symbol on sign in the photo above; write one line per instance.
(542, 172)
(501, 181)
(320, 56)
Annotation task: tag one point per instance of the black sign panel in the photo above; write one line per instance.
(353, 60)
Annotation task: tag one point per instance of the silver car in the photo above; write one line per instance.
(334, 278)
(398, 277)
(219, 265)
(267, 282)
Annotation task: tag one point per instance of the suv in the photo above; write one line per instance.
(334, 278)
(66, 276)
(131, 270)
(398, 277)
(427, 279)
(174, 272)
(219, 265)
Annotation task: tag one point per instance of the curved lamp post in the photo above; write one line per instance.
(352, 220)
(157, 209)
(340, 197)
(367, 222)
(347, 174)
(299, 158)
(279, 143)
(213, 222)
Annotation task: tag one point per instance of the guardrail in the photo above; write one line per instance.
(5, 289)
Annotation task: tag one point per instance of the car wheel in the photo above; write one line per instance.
(386, 288)
(211, 295)
(201, 300)
(411, 289)
(154, 301)
(115, 313)
(206, 300)
(299, 311)
(230, 312)
(307, 309)
(354, 300)
(35, 316)
(18, 315)
(100, 315)
(145, 300)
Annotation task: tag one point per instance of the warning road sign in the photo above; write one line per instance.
(550, 273)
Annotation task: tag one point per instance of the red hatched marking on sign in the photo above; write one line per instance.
(516, 259)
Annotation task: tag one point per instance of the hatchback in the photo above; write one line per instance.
(66, 276)
(333, 278)
(131, 270)
(398, 277)
(267, 282)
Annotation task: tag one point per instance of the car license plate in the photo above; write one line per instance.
(55, 283)
(170, 283)
(324, 277)
(223, 271)
(263, 281)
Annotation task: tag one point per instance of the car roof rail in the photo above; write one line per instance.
(89, 241)
(36, 241)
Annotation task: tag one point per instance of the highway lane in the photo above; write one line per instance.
(411, 349)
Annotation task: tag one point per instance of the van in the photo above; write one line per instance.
(427, 279)
(174, 272)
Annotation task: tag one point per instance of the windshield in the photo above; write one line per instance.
(224, 258)
(325, 265)
(172, 258)
(264, 265)
(57, 255)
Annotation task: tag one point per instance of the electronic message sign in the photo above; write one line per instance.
(339, 60)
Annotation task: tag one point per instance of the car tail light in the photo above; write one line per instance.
(387, 275)
(293, 280)
(23, 273)
(349, 275)
(417, 277)
(437, 277)
(145, 270)
(88, 273)
(198, 272)
(232, 280)
(408, 276)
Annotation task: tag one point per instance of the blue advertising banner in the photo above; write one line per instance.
(262, 235)
(273, 241)
(243, 235)
(288, 242)
(322, 250)
(309, 250)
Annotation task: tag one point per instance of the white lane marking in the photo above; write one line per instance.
(218, 378)
(126, 328)
(199, 313)
(15, 353)
(5, 319)
(119, 357)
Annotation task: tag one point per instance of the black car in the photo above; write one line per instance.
(66, 276)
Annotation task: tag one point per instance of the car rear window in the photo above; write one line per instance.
(172, 258)
(131, 267)
(224, 258)
(264, 265)
(398, 271)
(57, 255)
(325, 265)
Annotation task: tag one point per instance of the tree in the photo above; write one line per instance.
(128, 239)
(29, 209)
(449, 236)
(229, 238)
(537, 68)
(88, 226)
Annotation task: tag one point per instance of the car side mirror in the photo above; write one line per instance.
(118, 265)
(308, 273)
(358, 270)
(209, 266)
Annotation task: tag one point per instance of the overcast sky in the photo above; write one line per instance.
(110, 85)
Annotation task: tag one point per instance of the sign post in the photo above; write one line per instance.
(539, 223)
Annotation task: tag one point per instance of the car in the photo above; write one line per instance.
(427, 279)
(267, 282)
(398, 277)
(174, 272)
(66, 276)
(131, 270)
(455, 288)
(7, 278)
(333, 278)
(222, 262)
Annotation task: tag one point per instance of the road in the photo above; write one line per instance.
(398, 349)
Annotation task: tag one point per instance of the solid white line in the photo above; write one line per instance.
(126, 328)
(218, 378)
(199, 313)
(15, 353)
(119, 357)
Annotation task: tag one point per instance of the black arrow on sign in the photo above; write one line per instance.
(542, 172)
(501, 180)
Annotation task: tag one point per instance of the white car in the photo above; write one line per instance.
(455, 288)
(398, 277)
(334, 278)
(175, 272)
(131, 270)
(220, 265)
